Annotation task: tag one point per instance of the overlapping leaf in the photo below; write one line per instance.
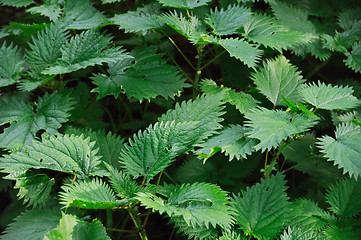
(298, 234)
(16, 3)
(184, 4)
(11, 64)
(353, 60)
(193, 232)
(50, 8)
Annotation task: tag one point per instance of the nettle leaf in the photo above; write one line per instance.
(50, 9)
(227, 21)
(32, 224)
(51, 111)
(86, 49)
(261, 210)
(298, 234)
(272, 127)
(337, 233)
(148, 77)
(270, 33)
(348, 18)
(328, 97)
(80, 14)
(34, 188)
(231, 140)
(71, 227)
(11, 64)
(139, 21)
(16, 3)
(278, 78)
(93, 194)
(247, 53)
(231, 235)
(353, 60)
(70, 154)
(344, 197)
(345, 150)
(184, 4)
(111, 1)
(200, 204)
(193, 232)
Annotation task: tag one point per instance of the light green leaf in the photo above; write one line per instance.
(32, 224)
(278, 78)
(345, 150)
(51, 111)
(297, 234)
(11, 64)
(193, 232)
(227, 21)
(272, 127)
(344, 197)
(184, 4)
(348, 18)
(93, 194)
(16, 3)
(200, 204)
(50, 8)
(111, 1)
(353, 60)
(329, 97)
(261, 210)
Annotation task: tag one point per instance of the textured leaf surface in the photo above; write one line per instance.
(11, 64)
(16, 3)
(200, 204)
(93, 194)
(297, 234)
(193, 232)
(70, 154)
(329, 97)
(344, 197)
(335, 233)
(232, 141)
(50, 9)
(272, 127)
(51, 111)
(32, 224)
(185, 4)
(345, 149)
(261, 210)
(278, 78)
(353, 60)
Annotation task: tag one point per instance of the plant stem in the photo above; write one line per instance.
(215, 58)
(138, 225)
(109, 218)
(198, 73)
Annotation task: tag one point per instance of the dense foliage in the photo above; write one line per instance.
(180, 119)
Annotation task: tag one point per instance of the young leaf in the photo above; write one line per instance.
(50, 8)
(227, 21)
(184, 4)
(71, 227)
(193, 232)
(328, 97)
(93, 194)
(16, 3)
(353, 60)
(51, 111)
(11, 64)
(272, 127)
(201, 204)
(278, 78)
(231, 140)
(344, 197)
(261, 210)
(32, 224)
(345, 150)
(297, 234)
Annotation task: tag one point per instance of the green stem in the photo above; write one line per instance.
(316, 69)
(198, 73)
(109, 218)
(215, 58)
(142, 234)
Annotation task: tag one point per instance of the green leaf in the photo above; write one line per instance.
(51, 111)
(72, 228)
(50, 8)
(231, 140)
(70, 154)
(345, 150)
(231, 235)
(227, 21)
(328, 97)
(32, 224)
(272, 127)
(139, 21)
(16, 3)
(344, 197)
(336, 233)
(11, 64)
(184, 4)
(201, 204)
(111, 1)
(297, 234)
(270, 33)
(348, 18)
(243, 51)
(93, 194)
(353, 60)
(278, 78)
(261, 210)
(193, 232)
(86, 49)
(34, 188)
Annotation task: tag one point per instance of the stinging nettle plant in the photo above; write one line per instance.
(187, 119)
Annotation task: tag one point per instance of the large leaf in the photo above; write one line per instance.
(344, 197)
(272, 127)
(11, 64)
(199, 204)
(185, 4)
(70, 154)
(261, 210)
(329, 97)
(93, 194)
(51, 111)
(32, 224)
(337, 233)
(345, 149)
(278, 78)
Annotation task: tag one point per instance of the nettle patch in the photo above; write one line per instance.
(180, 119)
